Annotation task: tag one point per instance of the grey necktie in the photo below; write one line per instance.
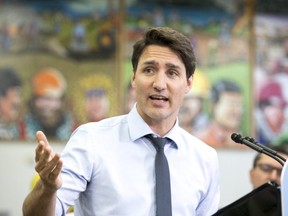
(163, 191)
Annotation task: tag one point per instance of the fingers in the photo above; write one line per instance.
(42, 145)
(50, 175)
(51, 169)
(48, 163)
(44, 156)
(46, 159)
(56, 171)
(38, 151)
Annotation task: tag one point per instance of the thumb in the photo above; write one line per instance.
(41, 136)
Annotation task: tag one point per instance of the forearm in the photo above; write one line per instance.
(40, 202)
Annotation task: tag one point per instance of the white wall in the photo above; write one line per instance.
(234, 171)
(17, 171)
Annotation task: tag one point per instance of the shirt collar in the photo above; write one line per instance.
(138, 128)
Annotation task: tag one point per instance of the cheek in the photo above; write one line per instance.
(219, 111)
(178, 99)
(141, 86)
(255, 178)
(274, 114)
(179, 92)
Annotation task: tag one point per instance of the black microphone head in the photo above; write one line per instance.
(236, 137)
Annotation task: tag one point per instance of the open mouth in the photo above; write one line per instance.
(160, 98)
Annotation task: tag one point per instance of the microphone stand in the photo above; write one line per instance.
(250, 142)
(263, 199)
(251, 139)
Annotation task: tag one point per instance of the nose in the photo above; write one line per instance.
(274, 176)
(159, 81)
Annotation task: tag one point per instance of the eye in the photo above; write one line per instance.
(172, 73)
(148, 70)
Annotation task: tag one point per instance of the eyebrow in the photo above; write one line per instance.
(169, 65)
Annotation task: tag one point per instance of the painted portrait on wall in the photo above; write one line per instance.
(58, 61)
(271, 78)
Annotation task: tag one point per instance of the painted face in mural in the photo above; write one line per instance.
(189, 114)
(48, 101)
(191, 107)
(10, 105)
(10, 95)
(96, 104)
(228, 111)
(49, 110)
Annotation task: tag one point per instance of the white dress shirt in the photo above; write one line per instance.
(108, 170)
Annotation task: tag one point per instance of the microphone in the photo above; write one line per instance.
(239, 139)
(251, 143)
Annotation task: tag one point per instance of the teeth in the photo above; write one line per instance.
(159, 98)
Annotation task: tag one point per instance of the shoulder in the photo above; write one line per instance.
(200, 154)
(95, 136)
(108, 124)
(196, 144)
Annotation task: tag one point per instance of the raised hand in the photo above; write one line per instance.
(48, 163)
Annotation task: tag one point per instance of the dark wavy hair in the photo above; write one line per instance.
(166, 37)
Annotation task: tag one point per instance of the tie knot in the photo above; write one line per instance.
(158, 142)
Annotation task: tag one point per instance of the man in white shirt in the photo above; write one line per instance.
(107, 167)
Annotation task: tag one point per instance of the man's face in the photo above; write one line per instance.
(160, 83)
(10, 105)
(229, 110)
(266, 169)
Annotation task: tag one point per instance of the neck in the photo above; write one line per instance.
(162, 128)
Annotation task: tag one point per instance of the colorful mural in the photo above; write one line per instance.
(90, 46)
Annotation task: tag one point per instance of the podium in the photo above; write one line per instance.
(284, 189)
(264, 200)
(269, 199)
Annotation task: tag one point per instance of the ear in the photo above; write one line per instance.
(133, 79)
(251, 174)
(189, 84)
